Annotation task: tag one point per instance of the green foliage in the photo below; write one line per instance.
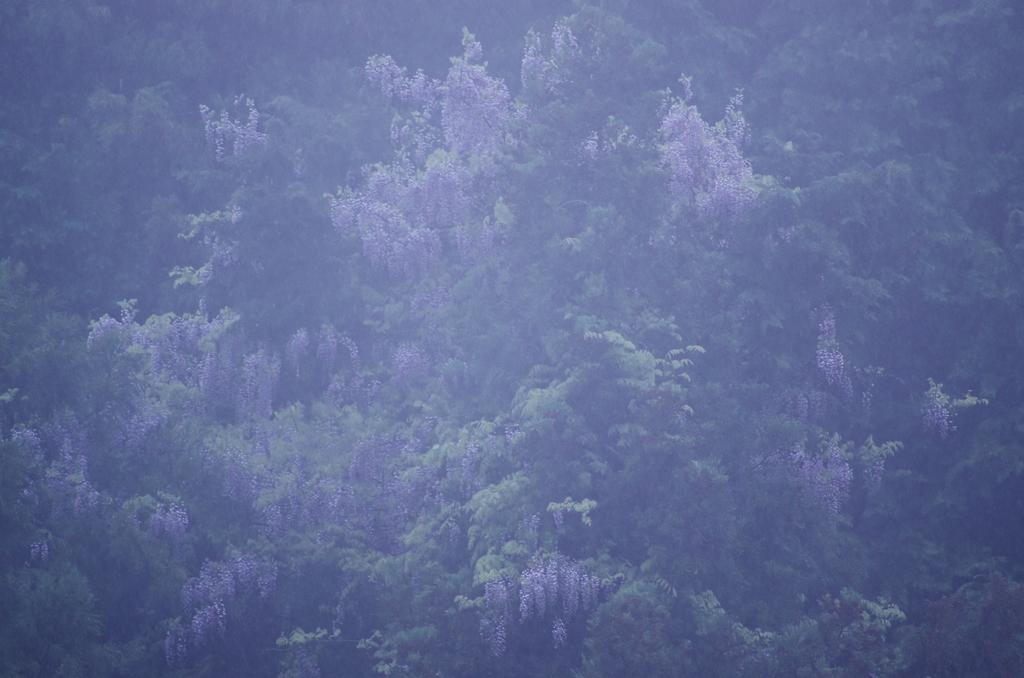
(976, 630)
(631, 635)
(662, 372)
(51, 628)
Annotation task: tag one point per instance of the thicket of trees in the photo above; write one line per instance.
(316, 363)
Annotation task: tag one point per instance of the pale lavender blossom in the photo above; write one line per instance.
(830, 359)
(107, 325)
(39, 552)
(306, 665)
(552, 579)
(297, 347)
(936, 415)
(547, 70)
(559, 633)
(497, 617)
(826, 476)
(411, 364)
(403, 210)
(170, 522)
(205, 598)
(258, 383)
(29, 438)
(474, 107)
(223, 130)
(708, 175)
(68, 474)
(327, 349)
(873, 473)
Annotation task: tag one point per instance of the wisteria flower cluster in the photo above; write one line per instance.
(222, 130)
(199, 353)
(68, 474)
(830, 359)
(553, 585)
(258, 383)
(39, 552)
(206, 597)
(554, 579)
(411, 364)
(403, 209)
(827, 475)
(498, 614)
(170, 522)
(180, 347)
(547, 70)
(804, 406)
(936, 414)
(296, 349)
(709, 177)
(474, 107)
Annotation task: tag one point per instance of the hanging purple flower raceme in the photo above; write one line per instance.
(186, 349)
(873, 474)
(218, 373)
(556, 585)
(474, 106)
(223, 130)
(402, 209)
(30, 439)
(106, 325)
(392, 220)
(297, 347)
(205, 599)
(223, 254)
(547, 70)
(708, 175)
(353, 352)
(559, 633)
(68, 474)
(260, 372)
(327, 349)
(306, 665)
(468, 479)
(170, 522)
(411, 364)
(830, 359)
(936, 416)
(39, 552)
(497, 617)
(826, 476)
(384, 74)
(804, 406)
(133, 428)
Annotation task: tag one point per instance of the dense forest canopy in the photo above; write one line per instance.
(613, 338)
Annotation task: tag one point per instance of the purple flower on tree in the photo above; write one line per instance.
(708, 175)
(830, 359)
(297, 347)
(411, 364)
(497, 618)
(205, 599)
(553, 579)
(402, 210)
(170, 522)
(260, 372)
(474, 106)
(223, 130)
(826, 475)
(936, 415)
(68, 474)
(547, 72)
